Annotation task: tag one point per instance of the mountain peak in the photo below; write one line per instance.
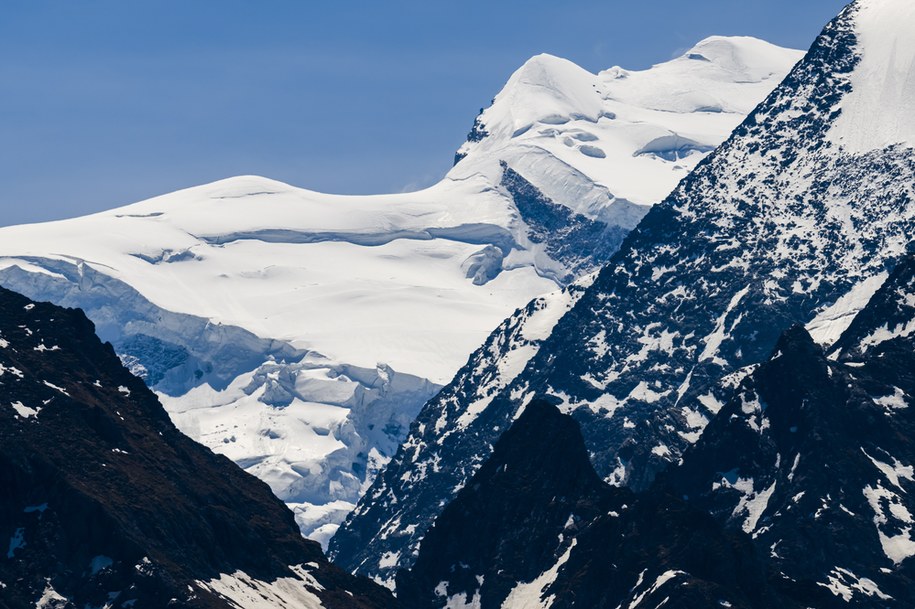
(796, 338)
(237, 187)
(743, 58)
(546, 60)
(545, 88)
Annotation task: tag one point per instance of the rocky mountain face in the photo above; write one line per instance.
(106, 504)
(582, 244)
(785, 223)
(508, 524)
(814, 455)
(536, 527)
(798, 494)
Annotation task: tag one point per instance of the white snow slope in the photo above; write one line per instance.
(884, 79)
(600, 143)
(299, 333)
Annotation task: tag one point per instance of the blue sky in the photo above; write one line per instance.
(106, 102)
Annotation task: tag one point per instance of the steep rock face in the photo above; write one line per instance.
(814, 456)
(536, 527)
(660, 552)
(106, 503)
(580, 243)
(885, 324)
(514, 517)
(770, 230)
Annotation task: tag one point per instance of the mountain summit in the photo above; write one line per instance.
(563, 128)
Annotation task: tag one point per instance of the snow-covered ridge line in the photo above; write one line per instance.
(553, 115)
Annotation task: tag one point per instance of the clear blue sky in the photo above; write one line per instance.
(106, 102)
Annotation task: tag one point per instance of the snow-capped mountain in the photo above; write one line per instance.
(561, 127)
(299, 333)
(106, 504)
(791, 220)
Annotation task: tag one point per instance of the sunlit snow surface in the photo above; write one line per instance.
(631, 134)
(358, 279)
(884, 79)
(241, 590)
(299, 333)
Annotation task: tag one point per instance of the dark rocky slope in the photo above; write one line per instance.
(536, 523)
(814, 455)
(582, 245)
(105, 503)
(522, 508)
